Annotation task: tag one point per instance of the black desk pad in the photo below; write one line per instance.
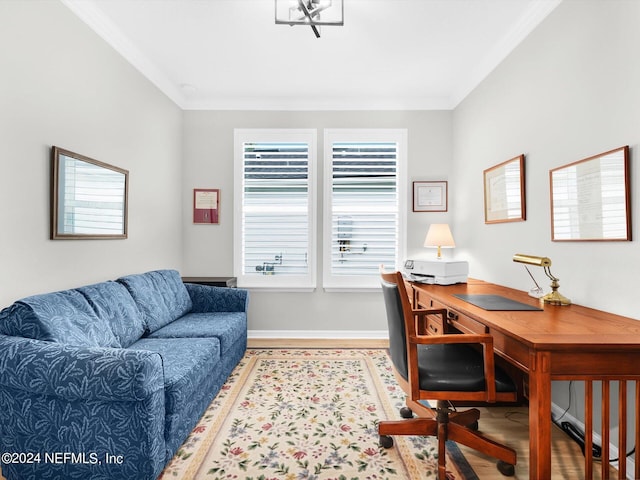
(495, 302)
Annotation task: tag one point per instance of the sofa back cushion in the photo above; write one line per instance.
(112, 302)
(62, 317)
(160, 295)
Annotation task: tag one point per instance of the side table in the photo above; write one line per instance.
(230, 282)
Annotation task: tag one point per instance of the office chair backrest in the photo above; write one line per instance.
(395, 322)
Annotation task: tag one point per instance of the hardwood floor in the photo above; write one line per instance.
(509, 425)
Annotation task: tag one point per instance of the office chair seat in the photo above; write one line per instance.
(456, 368)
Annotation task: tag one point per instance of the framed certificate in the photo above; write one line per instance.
(504, 198)
(590, 199)
(206, 205)
(430, 196)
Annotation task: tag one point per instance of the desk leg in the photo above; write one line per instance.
(540, 417)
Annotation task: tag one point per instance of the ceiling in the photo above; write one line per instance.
(390, 54)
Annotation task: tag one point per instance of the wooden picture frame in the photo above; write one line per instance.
(89, 198)
(206, 206)
(504, 192)
(430, 196)
(590, 199)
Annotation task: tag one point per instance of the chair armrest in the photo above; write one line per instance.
(207, 298)
(421, 314)
(452, 338)
(434, 311)
(483, 339)
(98, 401)
(78, 373)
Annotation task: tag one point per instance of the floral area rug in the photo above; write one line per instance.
(308, 414)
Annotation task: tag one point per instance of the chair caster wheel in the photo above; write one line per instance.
(405, 412)
(506, 469)
(386, 441)
(475, 426)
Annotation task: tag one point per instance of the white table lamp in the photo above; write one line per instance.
(439, 235)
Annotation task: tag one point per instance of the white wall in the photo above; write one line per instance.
(568, 92)
(208, 157)
(60, 84)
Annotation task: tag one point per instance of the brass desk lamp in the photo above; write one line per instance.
(554, 297)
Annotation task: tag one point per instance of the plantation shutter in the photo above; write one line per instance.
(275, 210)
(364, 207)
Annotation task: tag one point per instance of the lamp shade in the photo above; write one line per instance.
(439, 235)
(532, 260)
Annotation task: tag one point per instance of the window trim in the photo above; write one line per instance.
(358, 283)
(293, 283)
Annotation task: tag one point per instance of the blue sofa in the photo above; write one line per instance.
(106, 381)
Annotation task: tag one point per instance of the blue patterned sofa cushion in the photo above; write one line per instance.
(192, 377)
(113, 303)
(207, 298)
(160, 295)
(62, 317)
(228, 327)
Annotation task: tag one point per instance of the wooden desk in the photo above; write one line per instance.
(558, 343)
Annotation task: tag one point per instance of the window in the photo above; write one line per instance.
(275, 208)
(275, 214)
(365, 205)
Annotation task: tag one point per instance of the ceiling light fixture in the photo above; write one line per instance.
(313, 13)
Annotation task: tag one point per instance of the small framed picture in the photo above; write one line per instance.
(430, 196)
(206, 205)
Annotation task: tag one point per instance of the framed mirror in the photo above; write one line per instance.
(590, 199)
(88, 197)
(504, 198)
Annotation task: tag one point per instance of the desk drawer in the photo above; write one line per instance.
(435, 325)
(423, 300)
(516, 352)
(465, 324)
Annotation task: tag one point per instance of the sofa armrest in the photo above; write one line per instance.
(78, 373)
(97, 402)
(206, 298)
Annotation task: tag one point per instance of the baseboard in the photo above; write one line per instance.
(558, 412)
(318, 339)
(321, 334)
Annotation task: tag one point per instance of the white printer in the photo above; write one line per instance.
(438, 272)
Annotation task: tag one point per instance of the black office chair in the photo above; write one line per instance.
(445, 368)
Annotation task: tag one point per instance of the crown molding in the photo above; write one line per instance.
(186, 100)
(536, 14)
(319, 103)
(101, 25)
